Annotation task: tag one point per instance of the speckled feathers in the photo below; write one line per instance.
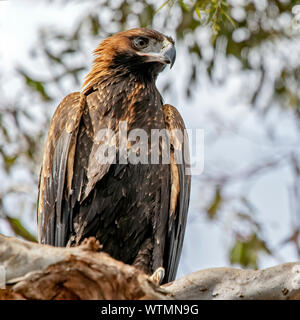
(130, 208)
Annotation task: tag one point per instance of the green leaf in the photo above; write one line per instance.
(245, 252)
(224, 4)
(163, 5)
(198, 12)
(19, 229)
(229, 18)
(35, 85)
(184, 6)
(8, 160)
(215, 205)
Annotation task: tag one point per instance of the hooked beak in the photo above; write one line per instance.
(170, 55)
(167, 55)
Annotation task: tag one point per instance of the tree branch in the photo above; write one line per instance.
(281, 282)
(35, 271)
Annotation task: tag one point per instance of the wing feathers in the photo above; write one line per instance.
(57, 169)
(179, 191)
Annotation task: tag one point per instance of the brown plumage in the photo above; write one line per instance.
(137, 211)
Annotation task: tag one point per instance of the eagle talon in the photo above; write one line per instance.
(158, 276)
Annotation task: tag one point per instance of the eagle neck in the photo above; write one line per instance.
(132, 98)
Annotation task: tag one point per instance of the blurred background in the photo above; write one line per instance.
(237, 77)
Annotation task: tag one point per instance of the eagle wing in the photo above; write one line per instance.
(57, 169)
(179, 190)
(67, 174)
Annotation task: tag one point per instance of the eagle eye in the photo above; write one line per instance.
(140, 42)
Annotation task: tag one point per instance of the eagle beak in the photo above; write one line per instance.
(169, 54)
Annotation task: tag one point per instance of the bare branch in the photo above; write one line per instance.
(35, 271)
(281, 282)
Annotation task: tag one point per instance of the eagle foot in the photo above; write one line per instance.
(157, 276)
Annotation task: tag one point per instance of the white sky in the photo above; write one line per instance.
(206, 243)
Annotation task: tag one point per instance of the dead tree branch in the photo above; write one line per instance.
(35, 271)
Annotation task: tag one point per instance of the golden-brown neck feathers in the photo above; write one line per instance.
(118, 45)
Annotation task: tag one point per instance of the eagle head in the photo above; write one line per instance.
(140, 51)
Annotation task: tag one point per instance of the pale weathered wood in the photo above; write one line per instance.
(35, 271)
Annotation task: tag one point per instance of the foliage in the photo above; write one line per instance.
(20, 230)
(245, 251)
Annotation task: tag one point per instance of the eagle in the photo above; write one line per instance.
(136, 209)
